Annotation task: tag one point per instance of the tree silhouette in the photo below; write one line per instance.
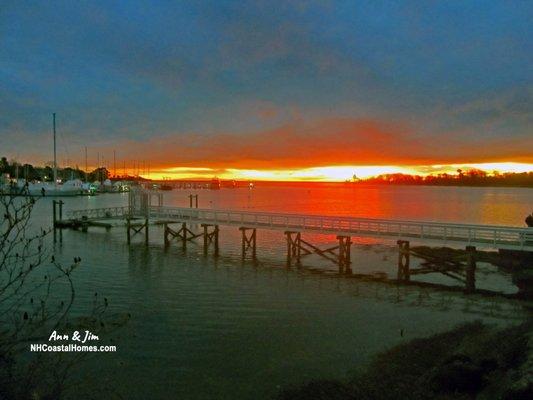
(30, 308)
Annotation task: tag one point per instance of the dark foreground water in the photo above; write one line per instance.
(206, 328)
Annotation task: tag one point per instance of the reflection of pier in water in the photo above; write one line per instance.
(178, 224)
(268, 273)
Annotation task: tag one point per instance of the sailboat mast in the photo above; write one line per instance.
(86, 164)
(55, 154)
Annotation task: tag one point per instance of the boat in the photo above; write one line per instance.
(88, 189)
(121, 186)
(69, 188)
(107, 186)
(49, 189)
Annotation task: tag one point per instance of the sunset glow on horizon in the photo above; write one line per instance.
(328, 174)
(254, 91)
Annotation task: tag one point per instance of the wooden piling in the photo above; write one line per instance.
(289, 248)
(128, 228)
(146, 235)
(195, 197)
(165, 235)
(243, 242)
(348, 256)
(248, 242)
(294, 247)
(403, 260)
(183, 232)
(298, 249)
(216, 240)
(471, 269)
(60, 202)
(54, 215)
(209, 237)
(54, 218)
(341, 256)
(205, 237)
(344, 260)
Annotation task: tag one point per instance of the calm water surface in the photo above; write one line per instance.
(206, 328)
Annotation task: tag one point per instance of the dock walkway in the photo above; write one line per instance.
(482, 236)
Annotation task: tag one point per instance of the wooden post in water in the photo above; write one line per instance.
(54, 217)
(195, 197)
(289, 248)
(60, 202)
(345, 243)
(165, 235)
(146, 237)
(184, 233)
(298, 249)
(128, 227)
(471, 269)
(210, 237)
(216, 240)
(294, 247)
(253, 243)
(243, 242)
(347, 256)
(205, 226)
(249, 242)
(403, 260)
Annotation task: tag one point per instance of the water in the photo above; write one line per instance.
(206, 328)
(498, 206)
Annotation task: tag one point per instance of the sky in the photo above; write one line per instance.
(269, 89)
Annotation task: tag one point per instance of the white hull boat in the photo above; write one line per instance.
(47, 189)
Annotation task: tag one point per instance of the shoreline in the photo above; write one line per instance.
(471, 360)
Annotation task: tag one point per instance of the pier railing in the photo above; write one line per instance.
(488, 236)
(99, 213)
(493, 236)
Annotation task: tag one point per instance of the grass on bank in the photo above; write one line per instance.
(471, 361)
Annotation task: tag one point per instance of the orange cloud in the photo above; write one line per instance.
(339, 141)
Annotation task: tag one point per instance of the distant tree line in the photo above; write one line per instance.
(46, 173)
(472, 177)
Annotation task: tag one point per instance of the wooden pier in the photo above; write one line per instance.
(180, 225)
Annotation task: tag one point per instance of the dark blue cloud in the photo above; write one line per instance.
(136, 69)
